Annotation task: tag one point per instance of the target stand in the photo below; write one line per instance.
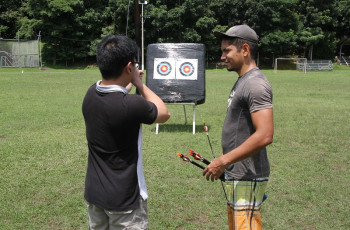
(176, 73)
(193, 116)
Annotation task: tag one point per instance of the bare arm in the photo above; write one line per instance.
(263, 136)
(149, 95)
(129, 87)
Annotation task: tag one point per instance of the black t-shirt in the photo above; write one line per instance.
(112, 123)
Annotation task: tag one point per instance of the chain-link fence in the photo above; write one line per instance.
(19, 53)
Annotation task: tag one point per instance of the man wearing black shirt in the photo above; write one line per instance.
(112, 119)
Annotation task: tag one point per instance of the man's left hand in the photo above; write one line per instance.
(214, 170)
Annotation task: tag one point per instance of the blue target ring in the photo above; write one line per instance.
(164, 68)
(186, 69)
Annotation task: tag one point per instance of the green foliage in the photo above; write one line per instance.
(311, 35)
(71, 28)
(9, 14)
(342, 17)
(317, 18)
(279, 42)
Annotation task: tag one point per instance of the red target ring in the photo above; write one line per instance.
(186, 69)
(164, 68)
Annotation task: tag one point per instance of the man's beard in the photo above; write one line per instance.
(230, 69)
(227, 66)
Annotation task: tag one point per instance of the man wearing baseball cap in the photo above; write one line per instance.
(247, 130)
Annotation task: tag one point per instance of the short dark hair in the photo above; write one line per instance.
(114, 52)
(238, 42)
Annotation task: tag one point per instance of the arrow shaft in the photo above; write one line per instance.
(205, 161)
(198, 165)
(222, 177)
(211, 147)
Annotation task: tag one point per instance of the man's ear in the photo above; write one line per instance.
(245, 49)
(128, 67)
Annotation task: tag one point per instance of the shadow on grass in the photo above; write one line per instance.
(173, 128)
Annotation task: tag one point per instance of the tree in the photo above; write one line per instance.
(9, 14)
(71, 29)
(317, 18)
(56, 21)
(68, 27)
(342, 18)
(276, 24)
(188, 21)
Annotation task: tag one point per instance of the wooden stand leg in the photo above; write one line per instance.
(194, 120)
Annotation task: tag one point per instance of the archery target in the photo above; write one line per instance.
(186, 69)
(176, 72)
(164, 68)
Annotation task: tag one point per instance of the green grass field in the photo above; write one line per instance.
(44, 153)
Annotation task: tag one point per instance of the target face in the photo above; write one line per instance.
(164, 68)
(187, 69)
(169, 68)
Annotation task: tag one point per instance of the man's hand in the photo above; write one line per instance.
(137, 74)
(137, 78)
(214, 170)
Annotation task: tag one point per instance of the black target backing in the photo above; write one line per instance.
(180, 85)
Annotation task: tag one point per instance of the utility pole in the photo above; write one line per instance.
(39, 46)
(19, 54)
(137, 23)
(143, 18)
(142, 39)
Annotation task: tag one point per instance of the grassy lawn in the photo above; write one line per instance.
(44, 153)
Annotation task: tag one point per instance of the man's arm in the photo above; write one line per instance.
(129, 87)
(149, 95)
(263, 136)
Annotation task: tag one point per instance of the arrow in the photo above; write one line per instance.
(206, 131)
(186, 159)
(197, 156)
(222, 177)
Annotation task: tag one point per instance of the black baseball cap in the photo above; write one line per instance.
(239, 31)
